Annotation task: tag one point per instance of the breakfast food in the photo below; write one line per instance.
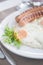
(29, 15)
(29, 32)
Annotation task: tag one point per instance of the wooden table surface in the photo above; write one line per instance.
(19, 60)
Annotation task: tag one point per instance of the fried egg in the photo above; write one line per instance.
(28, 34)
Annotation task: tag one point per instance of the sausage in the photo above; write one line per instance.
(29, 18)
(29, 15)
(28, 12)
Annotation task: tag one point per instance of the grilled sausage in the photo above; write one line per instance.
(29, 15)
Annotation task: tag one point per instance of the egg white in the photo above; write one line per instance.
(32, 29)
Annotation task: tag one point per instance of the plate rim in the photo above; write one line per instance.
(31, 56)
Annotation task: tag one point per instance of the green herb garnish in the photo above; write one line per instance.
(10, 36)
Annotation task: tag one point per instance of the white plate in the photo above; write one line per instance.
(23, 51)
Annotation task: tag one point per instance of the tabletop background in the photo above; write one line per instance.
(19, 60)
